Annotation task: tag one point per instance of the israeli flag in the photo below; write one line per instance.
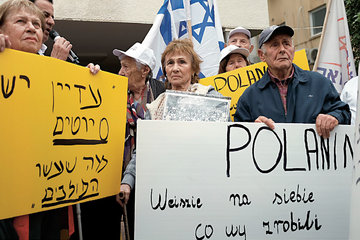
(207, 35)
(171, 23)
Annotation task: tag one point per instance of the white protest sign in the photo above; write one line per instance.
(355, 191)
(199, 180)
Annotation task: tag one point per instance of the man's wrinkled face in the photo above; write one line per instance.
(130, 70)
(279, 52)
(241, 40)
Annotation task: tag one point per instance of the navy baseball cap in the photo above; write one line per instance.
(270, 31)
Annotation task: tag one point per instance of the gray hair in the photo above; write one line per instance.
(263, 49)
(140, 65)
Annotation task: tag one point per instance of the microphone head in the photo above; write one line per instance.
(53, 34)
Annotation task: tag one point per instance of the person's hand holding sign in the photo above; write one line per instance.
(325, 123)
(4, 42)
(94, 69)
(268, 121)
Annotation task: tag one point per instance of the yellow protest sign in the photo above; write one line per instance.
(62, 133)
(233, 84)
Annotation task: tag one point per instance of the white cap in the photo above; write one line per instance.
(233, 49)
(139, 52)
(240, 30)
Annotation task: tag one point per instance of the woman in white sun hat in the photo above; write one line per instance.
(233, 57)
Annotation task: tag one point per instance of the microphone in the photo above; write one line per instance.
(72, 56)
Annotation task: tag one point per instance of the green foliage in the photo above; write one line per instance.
(353, 15)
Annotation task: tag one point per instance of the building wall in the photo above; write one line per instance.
(296, 15)
(248, 13)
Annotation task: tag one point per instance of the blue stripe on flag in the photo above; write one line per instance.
(165, 28)
(163, 7)
(201, 75)
(221, 45)
(160, 73)
(177, 4)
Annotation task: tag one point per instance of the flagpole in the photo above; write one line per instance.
(188, 16)
(322, 36)
(189, 29)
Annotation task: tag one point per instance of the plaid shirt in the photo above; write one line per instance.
(282, 86)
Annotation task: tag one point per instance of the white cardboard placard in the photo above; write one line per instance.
(355, 191)
(199, 180)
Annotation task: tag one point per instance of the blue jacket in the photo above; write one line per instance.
(309, 94)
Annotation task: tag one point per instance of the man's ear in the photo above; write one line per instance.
(251, 48)
(145, 71)
(261, 55)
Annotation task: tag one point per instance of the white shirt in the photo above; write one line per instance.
(349, 95)
(42, 50)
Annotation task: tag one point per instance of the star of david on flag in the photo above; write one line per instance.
(171, 23)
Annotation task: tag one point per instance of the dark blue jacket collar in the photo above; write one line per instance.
(299, 76)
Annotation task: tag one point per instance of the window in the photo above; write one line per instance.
(317, 17)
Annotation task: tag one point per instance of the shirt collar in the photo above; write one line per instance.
(42, 49)
(274, 79)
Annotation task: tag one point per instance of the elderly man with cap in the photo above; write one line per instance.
(288, 94)
(137, 64)
(101, 218)
(240, 37)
